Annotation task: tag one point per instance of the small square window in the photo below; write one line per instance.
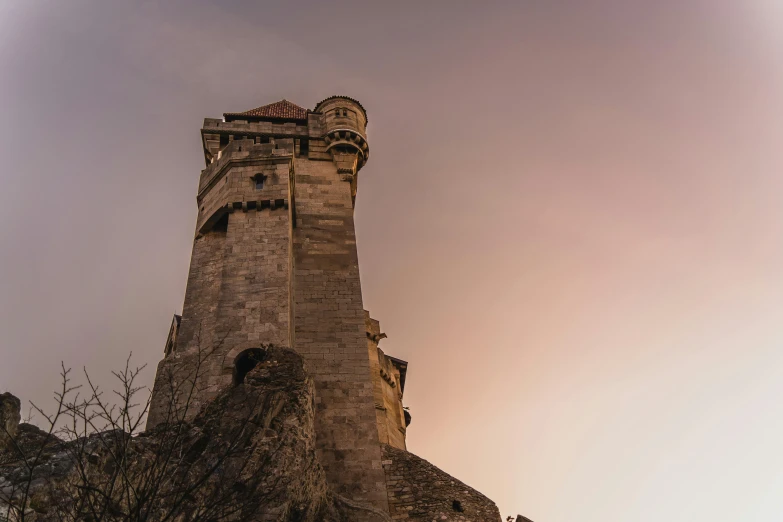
(259, 179)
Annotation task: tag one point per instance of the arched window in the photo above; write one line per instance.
(245, 362)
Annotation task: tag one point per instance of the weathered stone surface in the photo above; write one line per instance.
(275, 261)
(330, 333)
(420, 491)
(275, 475)
(10, 415)
(388, 379)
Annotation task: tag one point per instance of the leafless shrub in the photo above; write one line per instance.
(92, 463)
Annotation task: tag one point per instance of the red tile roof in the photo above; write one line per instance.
(283, 109)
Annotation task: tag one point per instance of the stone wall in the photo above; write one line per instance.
(394, 414)
(387, 388)
(237, 294)
(330, 331)
(259, 275)
(418, 491)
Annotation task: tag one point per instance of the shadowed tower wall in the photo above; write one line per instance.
(274, 261)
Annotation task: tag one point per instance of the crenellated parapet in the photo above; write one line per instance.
(246, 175)
(343, 142)
(336, 131)
(218, 134)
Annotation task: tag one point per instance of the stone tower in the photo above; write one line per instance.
(274, 262)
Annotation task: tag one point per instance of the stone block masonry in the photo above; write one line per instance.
(418, 491)
(275, 262)
(330, 331)
(237, 291)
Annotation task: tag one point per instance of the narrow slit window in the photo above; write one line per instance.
(259, 180)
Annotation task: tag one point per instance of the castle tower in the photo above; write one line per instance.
(275, 262)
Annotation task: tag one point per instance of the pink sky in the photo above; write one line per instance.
(571, 225)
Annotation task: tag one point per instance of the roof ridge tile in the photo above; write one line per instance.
(282, 109)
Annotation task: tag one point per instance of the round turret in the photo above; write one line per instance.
(344, 122)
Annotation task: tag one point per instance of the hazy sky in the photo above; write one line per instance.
(571, 224)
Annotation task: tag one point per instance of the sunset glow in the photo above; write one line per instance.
(571, 225)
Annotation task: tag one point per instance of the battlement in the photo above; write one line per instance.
(246, 176)
(243, 151)
(335, 130)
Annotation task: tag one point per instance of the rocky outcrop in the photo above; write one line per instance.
(419, 491)
(248, 455)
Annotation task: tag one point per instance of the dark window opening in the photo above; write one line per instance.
(223, 140)
(259, 179)
(245, 362)
(221, 225)
(456, 505)
(345, 113)
(345, 149)
(304, 147)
